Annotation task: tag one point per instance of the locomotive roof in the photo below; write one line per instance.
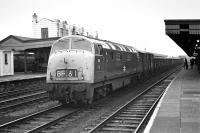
(160, 56)
(108, 44)
(116, 46)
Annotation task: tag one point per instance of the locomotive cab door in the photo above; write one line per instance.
(99, 63)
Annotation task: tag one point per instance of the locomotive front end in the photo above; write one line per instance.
(70, 70)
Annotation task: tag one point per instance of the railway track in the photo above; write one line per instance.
(122, 120)
(14, 93)
(16, 88)
(9, 86)
(38, 121)
(22, 100)
(134, 114)
(21, 93)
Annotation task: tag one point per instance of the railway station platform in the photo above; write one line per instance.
(21, 76)
(179, 109)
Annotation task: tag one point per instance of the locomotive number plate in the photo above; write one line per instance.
(66, 73)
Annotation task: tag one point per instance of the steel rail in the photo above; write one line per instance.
(28, 117)
(22, 103)
(100, 125)
(17, 92)
(22, 97)
(53, 122)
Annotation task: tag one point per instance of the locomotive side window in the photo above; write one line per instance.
(138, 57)
(60, 45)
(118, 57)
(128, 57)
(111, 55)
(79, 43)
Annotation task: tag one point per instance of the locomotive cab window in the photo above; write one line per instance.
(98, 49)
(79, 43)
(60, 45)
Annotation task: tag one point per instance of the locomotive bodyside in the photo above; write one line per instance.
(82, 68)
(115, 69)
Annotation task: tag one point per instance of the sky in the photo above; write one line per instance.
(137, 23)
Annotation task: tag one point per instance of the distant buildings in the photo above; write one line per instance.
(46, 28)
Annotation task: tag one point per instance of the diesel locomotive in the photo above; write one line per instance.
(81, 68)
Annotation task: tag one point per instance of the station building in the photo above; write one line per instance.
(47, 28)
(30, 54)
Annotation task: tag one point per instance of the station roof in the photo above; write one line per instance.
(185, 33)
(19, 43)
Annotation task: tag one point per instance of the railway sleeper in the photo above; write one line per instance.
(131, 115)
(122, 125)
(125, 121)
(126, 118)
(120, 130)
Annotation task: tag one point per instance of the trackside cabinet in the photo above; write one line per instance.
(6, 63)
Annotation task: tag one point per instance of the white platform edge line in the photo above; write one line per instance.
(151, 121)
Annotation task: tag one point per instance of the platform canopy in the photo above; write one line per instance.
(185, 33)
(19, 43)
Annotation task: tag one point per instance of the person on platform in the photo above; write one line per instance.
(191, 63)
(185, 64)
